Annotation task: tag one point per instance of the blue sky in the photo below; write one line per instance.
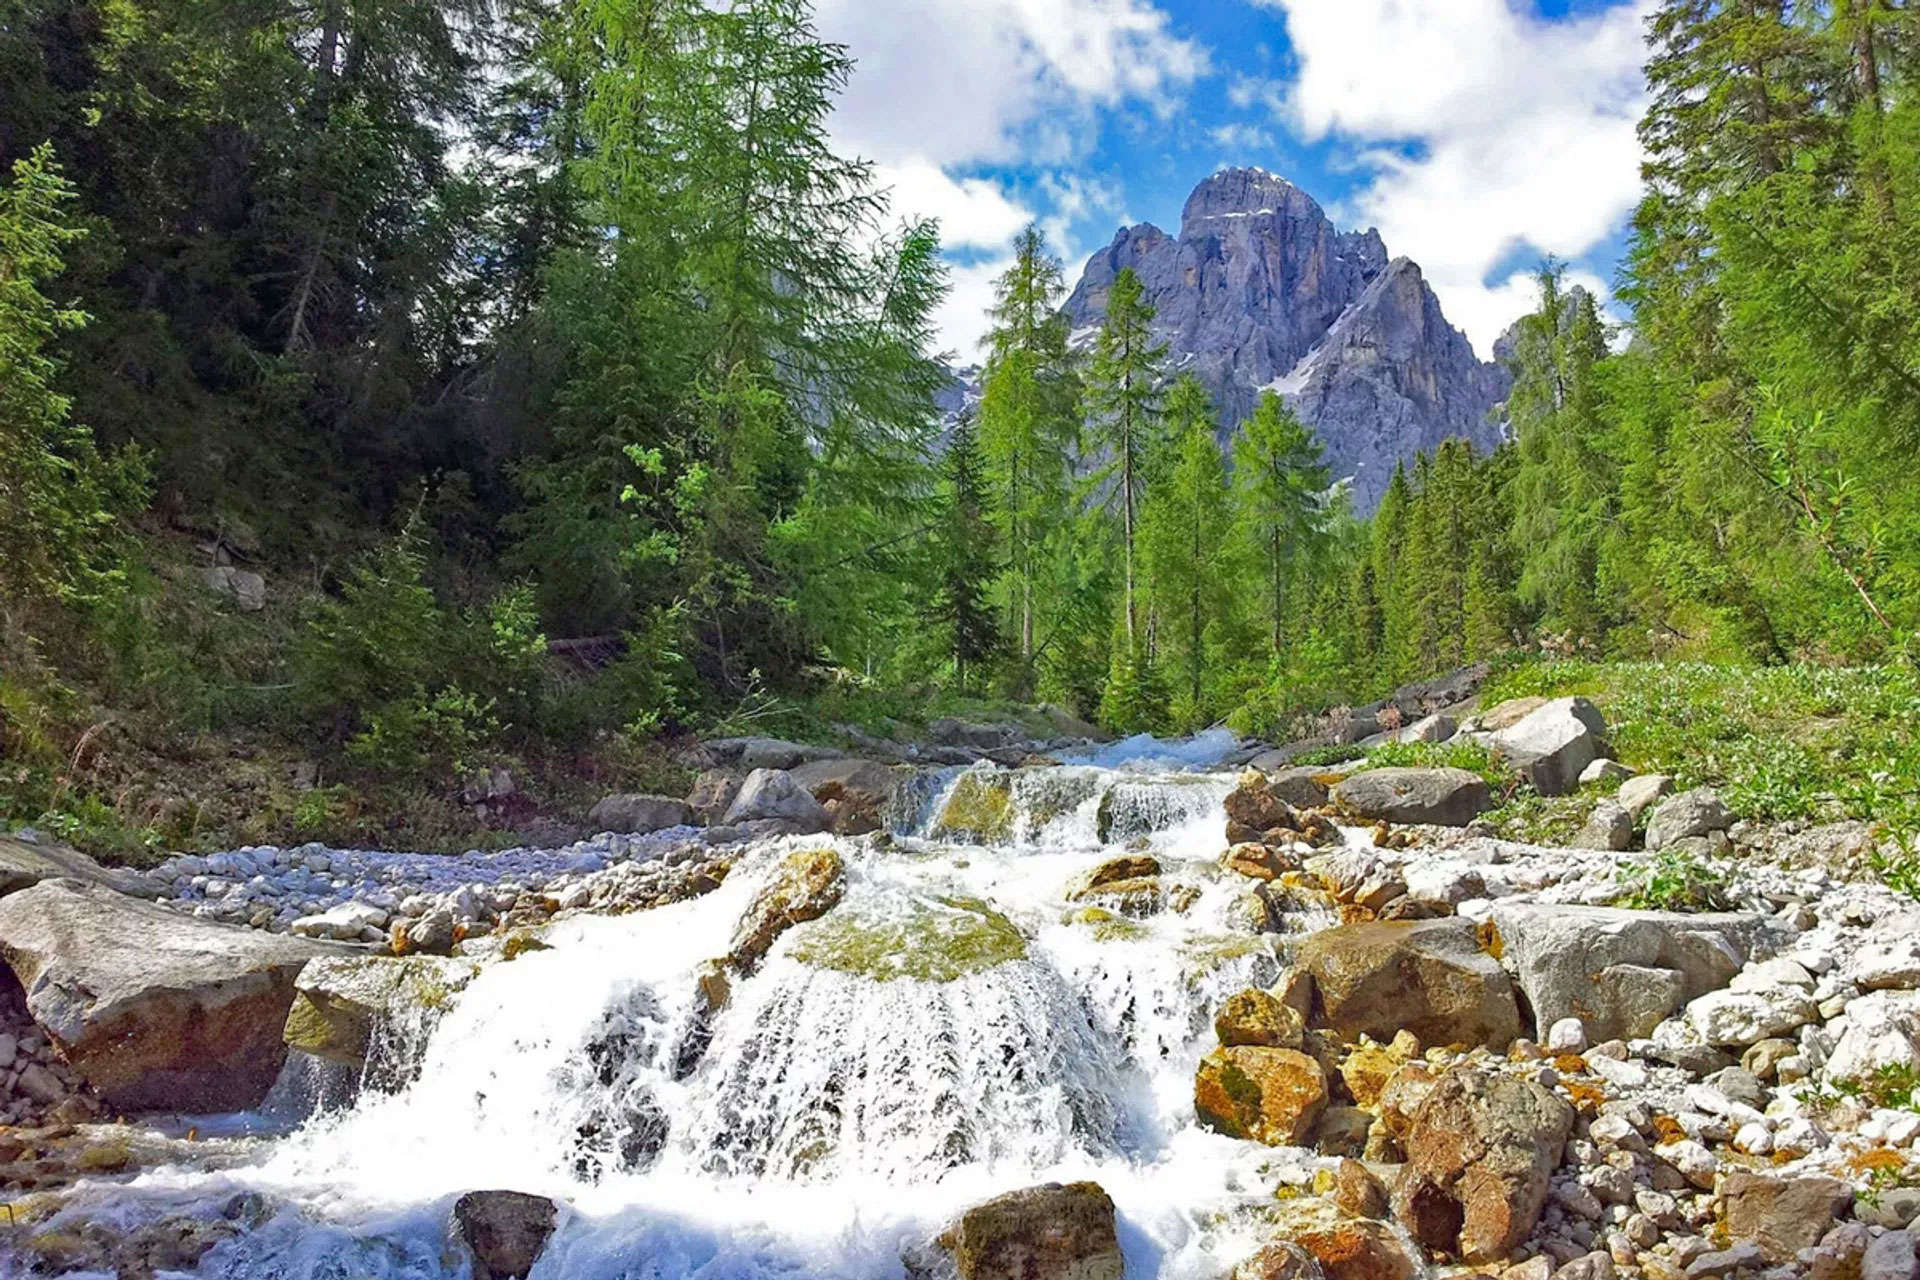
(1477, 135)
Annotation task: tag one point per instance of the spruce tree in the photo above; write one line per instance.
(1279, 482)
(1123, 403)
(1187, 537)
(967, 559)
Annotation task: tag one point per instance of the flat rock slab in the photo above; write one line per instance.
(1440, 797)
(24, 864)
(155, 1010)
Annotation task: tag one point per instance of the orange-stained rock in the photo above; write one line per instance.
(1269, 1095)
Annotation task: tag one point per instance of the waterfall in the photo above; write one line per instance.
(952, 1029)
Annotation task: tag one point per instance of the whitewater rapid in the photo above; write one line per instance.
(858, 1090)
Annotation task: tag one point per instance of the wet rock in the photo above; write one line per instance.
(1050, 1232)
(1780, 1216)
(771, 795)
(341, 1002)
(978, 808)
(1258, 811)
(806, 885)
(1109, 873)
(1428, 977)
(154, 1009)
(857, 793)
(1689, 815)
(1553, 744)
(1621, 971)
(1273, 1096)
(1479, 1154)
(431, 935)
(504, 1231)
(1440, 797)
(639, 814)
(1256, 1017)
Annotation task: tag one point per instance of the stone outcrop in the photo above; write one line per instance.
(1259, 291)
(1429, 977)
(155, 1010)
(341, 1002)
(1619, 971)
(1050, 1232)
(1480, 1151)
(1442, 797)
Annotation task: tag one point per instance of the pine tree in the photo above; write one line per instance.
(1027, 420)
(967, 560)
(1123, 403)
(1187, 535)
(1279, 479)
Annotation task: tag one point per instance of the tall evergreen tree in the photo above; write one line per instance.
(1279, 478)
(968, 566)
(1123, 402)
(1187, 536)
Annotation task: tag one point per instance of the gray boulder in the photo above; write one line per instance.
(774, 795)
(342, 1003)
(1689, 815)
(629, 815)
(154, 1009)
(1429, 977)
(1433, 728)
(247, 591)
(857, 793)
(1443, 797)
(777, 753)
(1620, 971)
(24, 864)
(1608, 827)
(1604, 771)
(1552, 745)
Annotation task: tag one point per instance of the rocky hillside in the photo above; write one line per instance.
(1260, 291)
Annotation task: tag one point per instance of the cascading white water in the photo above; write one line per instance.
(948, 1032)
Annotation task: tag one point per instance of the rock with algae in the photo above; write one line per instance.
(933, 940)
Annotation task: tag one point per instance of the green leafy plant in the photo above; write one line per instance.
(1673, 881)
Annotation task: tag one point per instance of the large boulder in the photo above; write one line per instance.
(978, 808)
(1442, 797)
(857, 793)
(1268, 1095)
(1619, 971)
(1781, 1216)
(341, 1003)
(806, 885)
(504, 1231)
(1689, 815)
(154, 1009)
(772, 795)
(1050, 1232)
(1480, 1150)
(713, 794)
(630, 815)
(24, 864)
(1551, 745)
(1429, 977)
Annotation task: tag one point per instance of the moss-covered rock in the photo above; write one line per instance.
(934, 941)
(1255, 1017)
(341, 1001)
(1052, 1232)
(978, 809)
(806, 885)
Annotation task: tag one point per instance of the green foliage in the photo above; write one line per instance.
(1460, 753)
(1671, 881)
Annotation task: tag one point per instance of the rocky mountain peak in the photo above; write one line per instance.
(1261, 291)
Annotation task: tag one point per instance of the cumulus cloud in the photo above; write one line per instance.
(1522, 132)
(944, 89)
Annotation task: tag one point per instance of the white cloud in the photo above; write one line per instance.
(966, 82)
(942, 88)
(1523, 131)
(1242, 139)
(973, 212)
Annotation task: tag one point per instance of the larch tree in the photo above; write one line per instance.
(1123, 404)
(1279, 479)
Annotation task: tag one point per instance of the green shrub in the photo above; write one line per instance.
(1674, 882)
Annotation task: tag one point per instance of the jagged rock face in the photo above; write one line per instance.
(1259, 290)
